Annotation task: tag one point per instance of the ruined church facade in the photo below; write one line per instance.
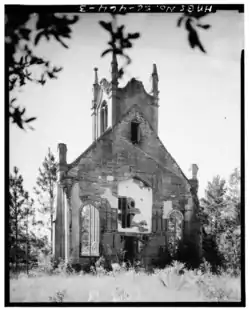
(125, 192)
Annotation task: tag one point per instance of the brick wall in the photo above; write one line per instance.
(114, 155)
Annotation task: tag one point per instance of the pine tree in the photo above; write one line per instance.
(45, 190)
(19, 210)
(214, 204)
(230, 244)
(233, 197)
(212, 208)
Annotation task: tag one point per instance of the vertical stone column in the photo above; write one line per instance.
(192, 223)
(66, 229)
(94, 125)
(59, 223)
(59, 240)
(188, 218)
(67, 218)
(194, 181)
(191, 206)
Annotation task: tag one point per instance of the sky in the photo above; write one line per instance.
(199, 113)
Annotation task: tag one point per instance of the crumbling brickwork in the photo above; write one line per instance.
(117, 171)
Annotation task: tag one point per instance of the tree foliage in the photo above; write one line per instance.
(214, 203)
(234, 198)
(20, 209)
(222, 222)
(192, 25)
(23, 32)
(46, 186)
(119, 41)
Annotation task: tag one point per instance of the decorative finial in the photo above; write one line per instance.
(155, 74)
(155, 80)
(194, 168)
(96, 75)
(114, 69)
(62, 153)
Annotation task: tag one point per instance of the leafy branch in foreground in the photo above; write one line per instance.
(21, 37)
(25, 31)
(192, 24)
(119, 41)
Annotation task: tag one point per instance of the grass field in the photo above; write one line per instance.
(164, 285)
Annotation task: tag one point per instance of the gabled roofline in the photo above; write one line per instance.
(157, 137)
(134, 80)
(93, 144)
(78, 159)
(174, 161)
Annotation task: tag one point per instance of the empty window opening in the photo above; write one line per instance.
(89, 231)
(126, 211)
(135, 132)
(104, 116)
(174, 230)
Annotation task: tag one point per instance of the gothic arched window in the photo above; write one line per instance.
(89, 231)
(104, 116)
(174, 230)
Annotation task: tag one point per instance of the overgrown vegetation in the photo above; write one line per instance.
(173, 283)
(30, 254)
(216, 278)
(26, 245)
(220, 215)
(45, 191)
(20, 210)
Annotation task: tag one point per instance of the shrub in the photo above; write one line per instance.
(176, 276)
(188, 253)
(77, 267)
(205, 267)
(173, 279)
(163, 259)
(58, 296)
(120, 294)
(211, 252)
